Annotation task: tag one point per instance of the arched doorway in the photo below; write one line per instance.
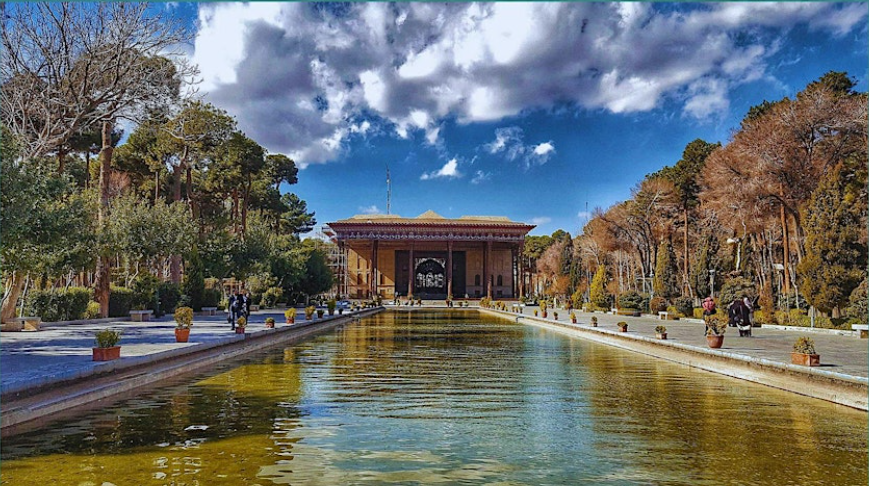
(430, 278)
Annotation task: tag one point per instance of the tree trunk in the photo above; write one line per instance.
(175, 260)
(14, 288)
(686, 273)
(103, 264)
(785, 248)
(156, 186)
(61, 160)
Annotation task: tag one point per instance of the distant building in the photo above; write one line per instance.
(429, 257)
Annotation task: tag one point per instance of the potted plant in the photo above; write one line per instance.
(535, 312)
(804, 353)
(661, 332)
(715, 328)
(450, 301)
(623, 327)
(239, 327)
(555, 315)
(594, 321)
(573, 318)
(543, 312)
(340, 311)
(320, 313)
(309, 312)
(270, 322)
(107, 348)
(290, 315)
(331, 305)
(183, 319)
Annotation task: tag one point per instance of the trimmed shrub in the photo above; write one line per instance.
(194, 283)
(169, 293)
(657, 304)
(684, 305)
(120, 301)
(145, 289)
(59, 305)
(272, 296)
(630, 299)
(93, 310)
(698, 313)
(211, 298)
(738, 287)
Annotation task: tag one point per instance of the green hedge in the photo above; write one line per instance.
(121, 301)
(211, 297)
(57, 304)
(169, 294)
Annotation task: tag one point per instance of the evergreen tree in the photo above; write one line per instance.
(665, 281)
(835, 260)
(598, 294)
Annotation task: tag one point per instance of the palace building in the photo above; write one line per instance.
(429, 257)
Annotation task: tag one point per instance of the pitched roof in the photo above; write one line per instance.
(430, 217)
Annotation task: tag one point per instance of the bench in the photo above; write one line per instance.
(209, 311)
(864, 330)
(26, 323)
(141, 314)
(663, 315)
(254, 307)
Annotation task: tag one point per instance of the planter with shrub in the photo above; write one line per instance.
(184, 320)
(106, 345)
(804, 353)
(661, 332)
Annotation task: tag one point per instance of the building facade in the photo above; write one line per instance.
(429, 257)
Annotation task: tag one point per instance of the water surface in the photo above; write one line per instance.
(434, 398)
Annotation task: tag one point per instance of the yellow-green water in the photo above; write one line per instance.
(434, 398)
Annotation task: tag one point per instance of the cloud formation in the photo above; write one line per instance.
(509, 142)
(449, 170)
(304, 78)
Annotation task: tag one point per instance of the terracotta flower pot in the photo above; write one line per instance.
(623, 328)
(715, 341)
(239, 330)
(545, 314)
(808, 359)
(573, 320)
(106, 354)
(291, 320)
(661, 336)
(270, 325)
(182, 335)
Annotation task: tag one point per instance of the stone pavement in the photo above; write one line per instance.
(848, 355)
(63, 352)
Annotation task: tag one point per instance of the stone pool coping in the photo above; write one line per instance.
(845, 389)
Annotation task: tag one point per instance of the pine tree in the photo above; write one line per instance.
(836, 251)
(598, 294)
(664, 283)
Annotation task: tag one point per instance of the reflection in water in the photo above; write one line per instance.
(433, 398)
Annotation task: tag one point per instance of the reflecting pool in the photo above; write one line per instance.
(448, 398)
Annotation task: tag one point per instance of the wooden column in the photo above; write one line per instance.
(487, 269)
(449, 268)
(374, 283)
(514, 273)
(411, 275)
(521, 271)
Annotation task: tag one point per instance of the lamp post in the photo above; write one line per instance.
(652, 287)
(712, 283)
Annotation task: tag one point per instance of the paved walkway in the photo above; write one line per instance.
(847, 355)
(63, 352)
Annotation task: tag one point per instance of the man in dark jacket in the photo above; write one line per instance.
(740, 316)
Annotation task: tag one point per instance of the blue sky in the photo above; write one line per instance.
(532, 111)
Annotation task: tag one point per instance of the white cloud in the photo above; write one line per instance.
(480, 176)
(584, 215)
(540, 220)
(370, 210)
(510, 142)
(449, 170)
(300, 76)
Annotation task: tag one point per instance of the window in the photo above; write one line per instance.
(382, 280)
(500, 280)
(477, 280)
(358, 279)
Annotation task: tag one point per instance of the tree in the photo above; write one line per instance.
(598, 294)
(686, 187)
(47, 228)
(664, 281)
(318, 277)
(836, 251)
(73, 66)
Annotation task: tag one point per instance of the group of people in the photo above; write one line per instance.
(738, 313)
(239, 306)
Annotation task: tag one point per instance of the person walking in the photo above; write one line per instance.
(740, 316)
(230, 309)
